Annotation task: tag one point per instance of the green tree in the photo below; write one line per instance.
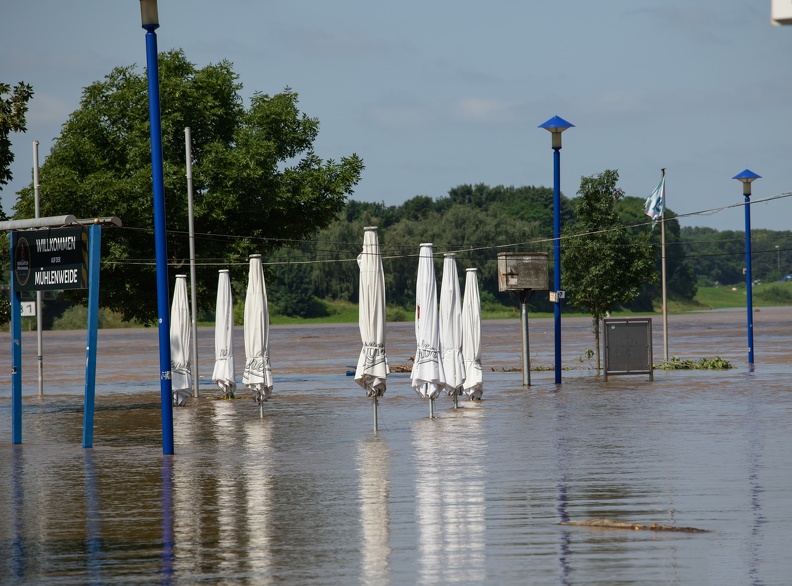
(13, 111)
(603, 263)
(257, 180)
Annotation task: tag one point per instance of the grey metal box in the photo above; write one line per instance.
(518, 271)
(628, 346)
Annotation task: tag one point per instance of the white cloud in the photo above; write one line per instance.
(485, 110)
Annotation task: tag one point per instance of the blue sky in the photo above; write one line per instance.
(438, 93)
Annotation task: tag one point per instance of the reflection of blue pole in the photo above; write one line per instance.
(94, 252)
(557, 257)
(748, 279)
(16, 353)
(160, 245)
(168, 542)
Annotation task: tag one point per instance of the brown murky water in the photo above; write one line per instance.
(308, 494)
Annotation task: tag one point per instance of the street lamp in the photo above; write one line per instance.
(150, 21)
(746, 177)
(556, 126)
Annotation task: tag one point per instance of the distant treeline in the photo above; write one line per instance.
(477, 222)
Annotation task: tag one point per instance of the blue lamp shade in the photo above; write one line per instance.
(746, 177)
(556, 125)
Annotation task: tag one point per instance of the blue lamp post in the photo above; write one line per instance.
(746, 177)
(150, 21)
(556, 126)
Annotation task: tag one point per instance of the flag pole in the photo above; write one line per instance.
(663, 273)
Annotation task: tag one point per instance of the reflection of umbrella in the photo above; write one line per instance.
(223, 373)
(427, 376)
(181, 377)
(372, 367)
(471, 336)
(258, 373)
(451, 328)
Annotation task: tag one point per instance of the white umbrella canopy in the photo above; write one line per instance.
(428, 377)
(372, 367)
(258, 372)
(471, 336)
(451, 327)
(223, 373)
(181, 375)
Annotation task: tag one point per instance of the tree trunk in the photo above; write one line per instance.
(597, 340)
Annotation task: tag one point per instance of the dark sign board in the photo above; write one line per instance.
(48, 259)
(628, 346)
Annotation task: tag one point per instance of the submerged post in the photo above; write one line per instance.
(150, 22)
(747, 177)
(526, 361)
(556, 125)
(94, 251)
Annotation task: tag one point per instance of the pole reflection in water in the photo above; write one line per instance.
(450, 497)
(755, 445)
(373, 461)
(258, 437)
(18, 503)
(93, 519)
(167, 519)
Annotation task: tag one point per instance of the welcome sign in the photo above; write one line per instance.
(51, 259)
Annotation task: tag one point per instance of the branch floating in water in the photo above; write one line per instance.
(608, 524)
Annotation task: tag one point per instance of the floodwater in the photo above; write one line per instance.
(309, 494)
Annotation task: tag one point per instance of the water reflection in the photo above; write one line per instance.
(188, 490)
(167, 520)
(373, 459)
(18, 504)
(229, 489)
(450, 496)
(93, 521)
(259, 485)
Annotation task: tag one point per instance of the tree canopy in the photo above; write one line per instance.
(257, 181)
(603, 263)
(13, 112)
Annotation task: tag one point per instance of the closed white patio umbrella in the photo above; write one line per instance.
(224, 367)
(181, 374)
(428, 377)
(451, 328)
(471, 336)
(258, 372)
(372, 367)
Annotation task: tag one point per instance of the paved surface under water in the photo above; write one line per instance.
(309, 494)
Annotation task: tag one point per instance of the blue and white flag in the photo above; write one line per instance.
(655, 203)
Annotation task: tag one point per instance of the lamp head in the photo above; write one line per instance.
(556, 125)
(149, 17)
(746, 177)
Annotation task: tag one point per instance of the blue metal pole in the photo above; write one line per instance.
(557, 257)
(94, 252)
(748, 278)
(160, 244)
(16, 353)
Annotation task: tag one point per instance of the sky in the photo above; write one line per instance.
(433, 94)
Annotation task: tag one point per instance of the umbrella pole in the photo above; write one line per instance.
(431, 408)
(261, 409)
(376, 427)
(456, 400)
